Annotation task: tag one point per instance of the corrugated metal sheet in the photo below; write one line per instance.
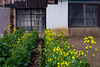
(4, 19)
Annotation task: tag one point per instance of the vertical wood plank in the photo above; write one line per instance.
(4, 19)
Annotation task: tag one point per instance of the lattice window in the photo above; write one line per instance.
(30, 19)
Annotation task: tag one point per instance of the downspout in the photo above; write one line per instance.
(26, 3)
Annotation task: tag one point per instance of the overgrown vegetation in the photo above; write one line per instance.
(58, 53)
(16, 48)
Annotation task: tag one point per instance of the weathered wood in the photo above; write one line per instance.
(42, 3)
(24, 3)
(32, 3)
(4, 19)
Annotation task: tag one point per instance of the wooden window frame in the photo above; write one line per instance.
(69, 17)
(53, 2)
(31, 17)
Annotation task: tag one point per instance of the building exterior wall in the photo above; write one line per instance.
(4, 19)
(83, 32)
(57, 15)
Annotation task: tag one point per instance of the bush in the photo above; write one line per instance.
(16, 48)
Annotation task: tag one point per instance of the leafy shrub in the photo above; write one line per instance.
(16, 48)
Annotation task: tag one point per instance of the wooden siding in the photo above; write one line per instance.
(9, 1)
(4, 19)
(24, 3)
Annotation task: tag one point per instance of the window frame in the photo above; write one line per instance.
(55, 2)
(83, 12)
(30, 9)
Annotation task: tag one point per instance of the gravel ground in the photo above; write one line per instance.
(79, 45)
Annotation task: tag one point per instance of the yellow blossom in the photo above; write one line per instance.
(49, 59)
(93, 55)
(86, 47)
(90, 46)
(80, 61)
(96, 49)
(86, 51)
(85, 55)
(73, 57)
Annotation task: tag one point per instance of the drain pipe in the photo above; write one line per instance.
(26, 3)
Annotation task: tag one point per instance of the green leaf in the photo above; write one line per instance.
(2, 59)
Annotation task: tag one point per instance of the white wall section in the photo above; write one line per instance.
(57, 15)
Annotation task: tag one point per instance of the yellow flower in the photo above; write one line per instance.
(85, 55)
(80, 61)
(8, 27)
(68, 46)
(88, 41)
(77, 56)
(40, 46)
(72, 45)
(66, 63)
(90, 46)
(85, 38)
(49, 59)
(86, 47)
(82, 53)
(96, 49)
(86, 51)
(71, 61)
(73, 57)
(91, 37)
(58, 63)
(93, 55)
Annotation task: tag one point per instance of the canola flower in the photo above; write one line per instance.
(8, 27)
(58, 52)
(91, 41)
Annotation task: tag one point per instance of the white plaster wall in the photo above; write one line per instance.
(57, 15)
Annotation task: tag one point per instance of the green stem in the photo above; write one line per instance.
(91, 54)
(91, 57)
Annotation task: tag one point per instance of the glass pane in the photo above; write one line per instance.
(29, 24)
(38, 17)
(91, 15)
(76, 15)
(18, 24)
(32, 23)
(76, 22)
(38, 11)
(33, 11)
(91, 7)
(22, 23)
(19, 17)
(37, 23)
(33, 17)
(25, 23)
(26, 11)
(43, 11)
(91, 23)
(76, 7)
(26, 17)
(19, 11)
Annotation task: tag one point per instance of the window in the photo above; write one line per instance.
(30, 19)
(53, 1)
(83, 15)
